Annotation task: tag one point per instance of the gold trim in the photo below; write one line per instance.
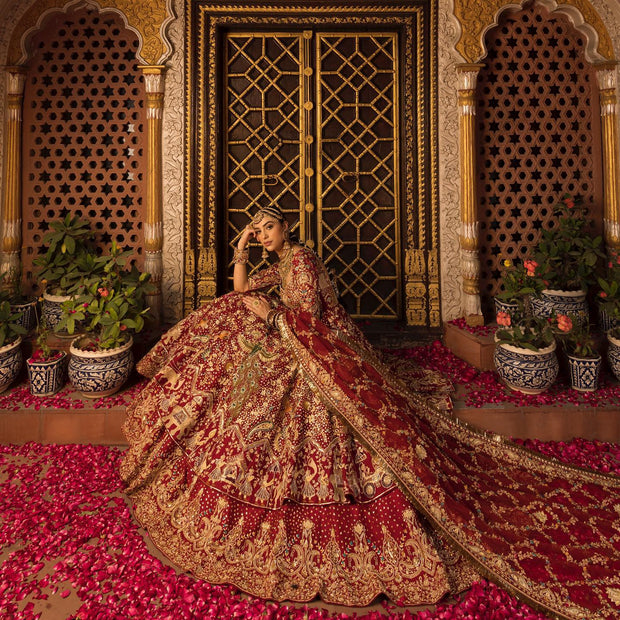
(475, 18)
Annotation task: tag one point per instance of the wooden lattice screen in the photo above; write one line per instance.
(84, 132)
(538, 134)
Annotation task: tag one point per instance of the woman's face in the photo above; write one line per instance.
(270, 233)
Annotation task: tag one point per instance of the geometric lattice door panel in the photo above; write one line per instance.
(538, 134)
(84, 132)
(310, 123)
(357, 176)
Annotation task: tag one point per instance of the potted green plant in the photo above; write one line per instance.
(111, 306)
(59, 267)
(519, 282)
(608, 297)
(584, 361)
(525, 353)
(21, 304)
(10, 343)
(46, 366)
(568, 255)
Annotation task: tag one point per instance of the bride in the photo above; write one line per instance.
(275, 449)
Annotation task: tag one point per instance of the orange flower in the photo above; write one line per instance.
(530, 266)
(103, 292)
(503, 319)
(564, 323)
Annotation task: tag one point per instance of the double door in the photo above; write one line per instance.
(310, 121)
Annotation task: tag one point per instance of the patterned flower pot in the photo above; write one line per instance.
(531, 372)
(605, 321)
(584, 372)
(561, 302)
(99, 373)
(613, 355)
(11, 359)
(27, 314)
(47, 377)
(52, 313)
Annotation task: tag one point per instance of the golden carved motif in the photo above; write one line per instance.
(147, 17)
(475, 17)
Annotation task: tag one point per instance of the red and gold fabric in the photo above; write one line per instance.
(299, 461)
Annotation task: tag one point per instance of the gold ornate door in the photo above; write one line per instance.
(332, 114)
(311, 123)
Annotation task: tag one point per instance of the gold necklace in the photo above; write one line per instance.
(284, 263)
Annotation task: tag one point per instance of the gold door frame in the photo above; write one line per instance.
(417, 22)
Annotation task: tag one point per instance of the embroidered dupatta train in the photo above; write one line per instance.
(299, 461)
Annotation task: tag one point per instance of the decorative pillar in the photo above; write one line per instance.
(470, 262)
(10, 263)
(607, 80)
(153, 224)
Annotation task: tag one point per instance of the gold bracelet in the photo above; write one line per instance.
(240, 257)
(272, 316)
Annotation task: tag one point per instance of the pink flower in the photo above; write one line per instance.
(503, 319)
(564, 323)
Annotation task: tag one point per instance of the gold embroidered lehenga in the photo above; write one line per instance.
(298, 461)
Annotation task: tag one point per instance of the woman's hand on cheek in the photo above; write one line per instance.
(259, 306)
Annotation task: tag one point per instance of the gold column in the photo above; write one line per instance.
(470, 262)
(153, 224)
(607, 80)
(10, 263)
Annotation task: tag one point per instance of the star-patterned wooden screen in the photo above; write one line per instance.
(538, 134)
(84, 132)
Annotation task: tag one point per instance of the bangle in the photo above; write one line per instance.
(240, 257)
(272, 316)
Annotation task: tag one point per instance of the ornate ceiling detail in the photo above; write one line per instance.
(147, 18)
(477, 17)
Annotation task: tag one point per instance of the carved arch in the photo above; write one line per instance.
(477, 18)
(149, 19)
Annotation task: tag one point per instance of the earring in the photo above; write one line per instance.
(286, 245)
(265, 254)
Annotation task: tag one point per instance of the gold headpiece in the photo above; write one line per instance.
(270, 211)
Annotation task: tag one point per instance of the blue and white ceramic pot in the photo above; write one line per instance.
(531, 372)
(47, 377)
(584, 372)
(52, 313)
(99, 373)
(605, 321)
(613, 355)
(11, 359)
(561, 302)
(27, 314)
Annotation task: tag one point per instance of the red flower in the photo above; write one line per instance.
(602, 294)
(569, 202)
(503, 319)
(564, 323)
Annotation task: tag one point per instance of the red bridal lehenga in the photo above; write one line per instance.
(298, 461)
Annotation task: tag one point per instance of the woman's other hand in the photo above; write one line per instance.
(258, 305)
